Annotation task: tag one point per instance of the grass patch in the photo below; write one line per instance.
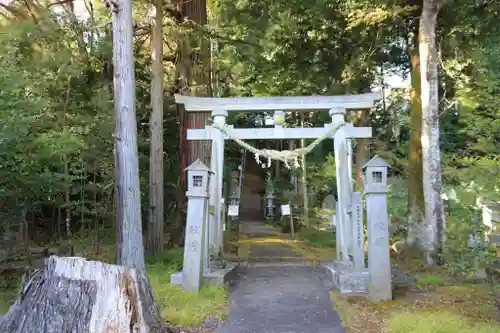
(316, 244)
(317, 238)
(430, 280)
(178, 306)
(443, 322)
(8, 294)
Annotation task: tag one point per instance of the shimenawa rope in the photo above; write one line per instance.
(286, 156)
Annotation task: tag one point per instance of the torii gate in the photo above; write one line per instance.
(337, 106)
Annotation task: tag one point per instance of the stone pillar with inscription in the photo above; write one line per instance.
(379, 262)
(338, 245)
(196, 226)
(358, 233)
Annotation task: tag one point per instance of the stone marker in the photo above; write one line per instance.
(379, 263)
(329, 202)
(356, 283)
(338, 245)
(358, 248)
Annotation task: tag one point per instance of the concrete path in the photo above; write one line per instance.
(279, 298)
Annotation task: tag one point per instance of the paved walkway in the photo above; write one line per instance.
(277, 297)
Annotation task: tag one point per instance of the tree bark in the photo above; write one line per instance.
(433, 226)
(416, 204)
(130, 249)
(193, 72)
(79, 296)
(156, 215)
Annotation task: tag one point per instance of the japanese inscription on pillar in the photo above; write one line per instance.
(359, 225)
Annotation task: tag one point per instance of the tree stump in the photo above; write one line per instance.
(79, 296)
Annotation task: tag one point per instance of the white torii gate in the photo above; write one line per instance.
(337, 106)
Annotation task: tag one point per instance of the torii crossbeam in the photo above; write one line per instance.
(336, 105)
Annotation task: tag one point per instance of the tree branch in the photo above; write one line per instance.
(183, 20)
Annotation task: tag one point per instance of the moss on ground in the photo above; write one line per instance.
(470, 307)
(430, 280)
(443, 322)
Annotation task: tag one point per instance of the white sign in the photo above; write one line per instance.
(233, 210)
(285, 210)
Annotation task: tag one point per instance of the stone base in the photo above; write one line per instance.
(176, 278)
(216, 277)
(347, 280)
(219, 276)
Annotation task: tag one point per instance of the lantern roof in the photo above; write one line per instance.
(376, 161)
(198, 166)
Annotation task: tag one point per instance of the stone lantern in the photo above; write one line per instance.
(376, 175)
(196, 248)
(198, 178)
(379, 262)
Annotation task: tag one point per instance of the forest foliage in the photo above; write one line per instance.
(56, 115)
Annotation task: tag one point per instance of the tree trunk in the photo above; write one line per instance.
(79, 296)
(193, 71)
(194, 74)
(416, 204)
(129, 225)
(155, 227)
(433, 225)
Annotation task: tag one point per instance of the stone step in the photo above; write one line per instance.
(254, 259)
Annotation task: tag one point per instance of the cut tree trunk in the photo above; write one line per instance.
(79, 296)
